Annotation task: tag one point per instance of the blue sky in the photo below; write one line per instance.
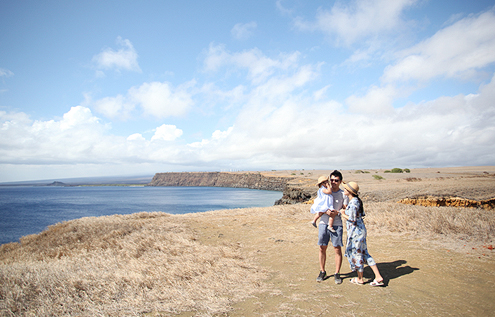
(104, 88)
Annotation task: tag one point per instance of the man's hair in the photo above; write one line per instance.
(337, 174)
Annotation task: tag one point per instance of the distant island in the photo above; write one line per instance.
(58, 184)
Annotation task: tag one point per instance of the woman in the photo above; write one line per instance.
(356, 250)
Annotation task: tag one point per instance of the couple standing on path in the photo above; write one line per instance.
(330, 228)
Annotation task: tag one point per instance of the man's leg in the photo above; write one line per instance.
(323, 257)
(323, 239)
(338, 259)
(338, 264)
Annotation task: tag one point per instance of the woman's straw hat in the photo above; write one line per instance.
(352, 187)
(322, 179)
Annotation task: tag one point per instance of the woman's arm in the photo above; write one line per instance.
(351, 210)
(343, 215)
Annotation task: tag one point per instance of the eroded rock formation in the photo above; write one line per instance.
(431, 201)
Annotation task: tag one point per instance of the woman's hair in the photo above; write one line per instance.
(360, 211)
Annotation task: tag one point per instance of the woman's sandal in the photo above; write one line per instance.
(354, 281)
(376, 283)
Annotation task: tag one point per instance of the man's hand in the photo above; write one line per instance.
(332, 213)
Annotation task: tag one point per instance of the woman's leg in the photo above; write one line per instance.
(378, 276)
(360, 277)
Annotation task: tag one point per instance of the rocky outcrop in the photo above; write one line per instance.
(431, 201)
(294, 194)
(220, 179)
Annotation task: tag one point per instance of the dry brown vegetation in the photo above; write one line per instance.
(263, 261)
(121, 265)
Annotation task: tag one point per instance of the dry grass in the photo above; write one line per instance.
(121, 265)
(468, 224)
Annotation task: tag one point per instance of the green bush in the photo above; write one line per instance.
(378, 177)
(406, 170)
(397, 170)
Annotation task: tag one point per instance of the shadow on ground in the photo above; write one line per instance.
(389, 271)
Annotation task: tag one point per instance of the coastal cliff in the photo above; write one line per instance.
(291, 193)
(220, 179)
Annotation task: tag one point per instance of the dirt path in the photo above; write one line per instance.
(422, 278)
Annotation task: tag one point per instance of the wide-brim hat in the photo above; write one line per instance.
(322, 179)
(352, 187)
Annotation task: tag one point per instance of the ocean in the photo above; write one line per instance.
(27, 210)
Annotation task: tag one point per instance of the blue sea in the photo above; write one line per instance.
(28, 210)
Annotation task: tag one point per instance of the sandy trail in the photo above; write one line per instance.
(423, 278)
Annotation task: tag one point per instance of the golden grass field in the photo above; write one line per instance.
(436, 261)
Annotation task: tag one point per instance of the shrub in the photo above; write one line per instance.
(406, 170)
(396, 170)
(377, 177)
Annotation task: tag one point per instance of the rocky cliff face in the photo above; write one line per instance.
(220, 179)
(292, 194)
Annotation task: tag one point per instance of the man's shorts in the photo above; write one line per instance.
(324, 235)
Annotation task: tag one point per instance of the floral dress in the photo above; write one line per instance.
(356, 250)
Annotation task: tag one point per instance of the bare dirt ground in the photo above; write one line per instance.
(425, 275)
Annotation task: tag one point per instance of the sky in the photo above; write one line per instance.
(121, 88)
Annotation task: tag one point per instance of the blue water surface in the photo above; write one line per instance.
(28, 210)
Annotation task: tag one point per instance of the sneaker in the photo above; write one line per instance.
(314, 224)
(321, 277)
(338, 280)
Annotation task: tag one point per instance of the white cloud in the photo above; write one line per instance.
(125, 58)
(259, 66)
(283, 9)
(242, 31)
(286, 131)
(5, 73)
(166, 133)
(458, 50)
(114, 107)
(156, 99)
(216, 136)
(350, 22)
(377, 101)
(277, 123)
(160, 100)
(136, 137)
(70, 139)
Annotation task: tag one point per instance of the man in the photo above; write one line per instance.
(324, 235)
